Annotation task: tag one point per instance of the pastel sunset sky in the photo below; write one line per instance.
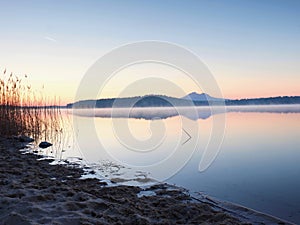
(251, 47)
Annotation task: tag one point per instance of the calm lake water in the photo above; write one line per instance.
(258, 164)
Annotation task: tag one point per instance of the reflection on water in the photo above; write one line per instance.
(202, 112)
(258, 165)
(54, 126)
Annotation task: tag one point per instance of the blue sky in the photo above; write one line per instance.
(244, 43)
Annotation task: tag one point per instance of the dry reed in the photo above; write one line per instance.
(23, 112)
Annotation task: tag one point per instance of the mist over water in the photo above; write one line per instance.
(203, 112)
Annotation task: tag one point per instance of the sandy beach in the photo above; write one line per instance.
(34, 192)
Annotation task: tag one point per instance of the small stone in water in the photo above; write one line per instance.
(45, 144)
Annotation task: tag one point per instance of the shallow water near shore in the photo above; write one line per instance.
(257, 166)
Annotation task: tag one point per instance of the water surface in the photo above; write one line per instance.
(257, 166)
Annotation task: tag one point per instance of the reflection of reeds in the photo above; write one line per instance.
(22, 112)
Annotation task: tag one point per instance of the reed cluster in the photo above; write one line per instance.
(23, 111)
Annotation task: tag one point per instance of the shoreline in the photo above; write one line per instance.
(35, 192)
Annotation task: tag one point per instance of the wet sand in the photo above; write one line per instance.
(34, 192)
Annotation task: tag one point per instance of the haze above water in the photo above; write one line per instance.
(257, 166)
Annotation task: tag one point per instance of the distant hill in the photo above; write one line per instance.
(194, 96)
(193, 99)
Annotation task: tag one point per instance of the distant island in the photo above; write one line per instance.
(192, 99)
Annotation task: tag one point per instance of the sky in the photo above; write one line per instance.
(252, 48)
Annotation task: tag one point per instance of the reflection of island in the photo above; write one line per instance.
(192, 99)
(194, 113)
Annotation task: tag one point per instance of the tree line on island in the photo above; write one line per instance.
(192, 99)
